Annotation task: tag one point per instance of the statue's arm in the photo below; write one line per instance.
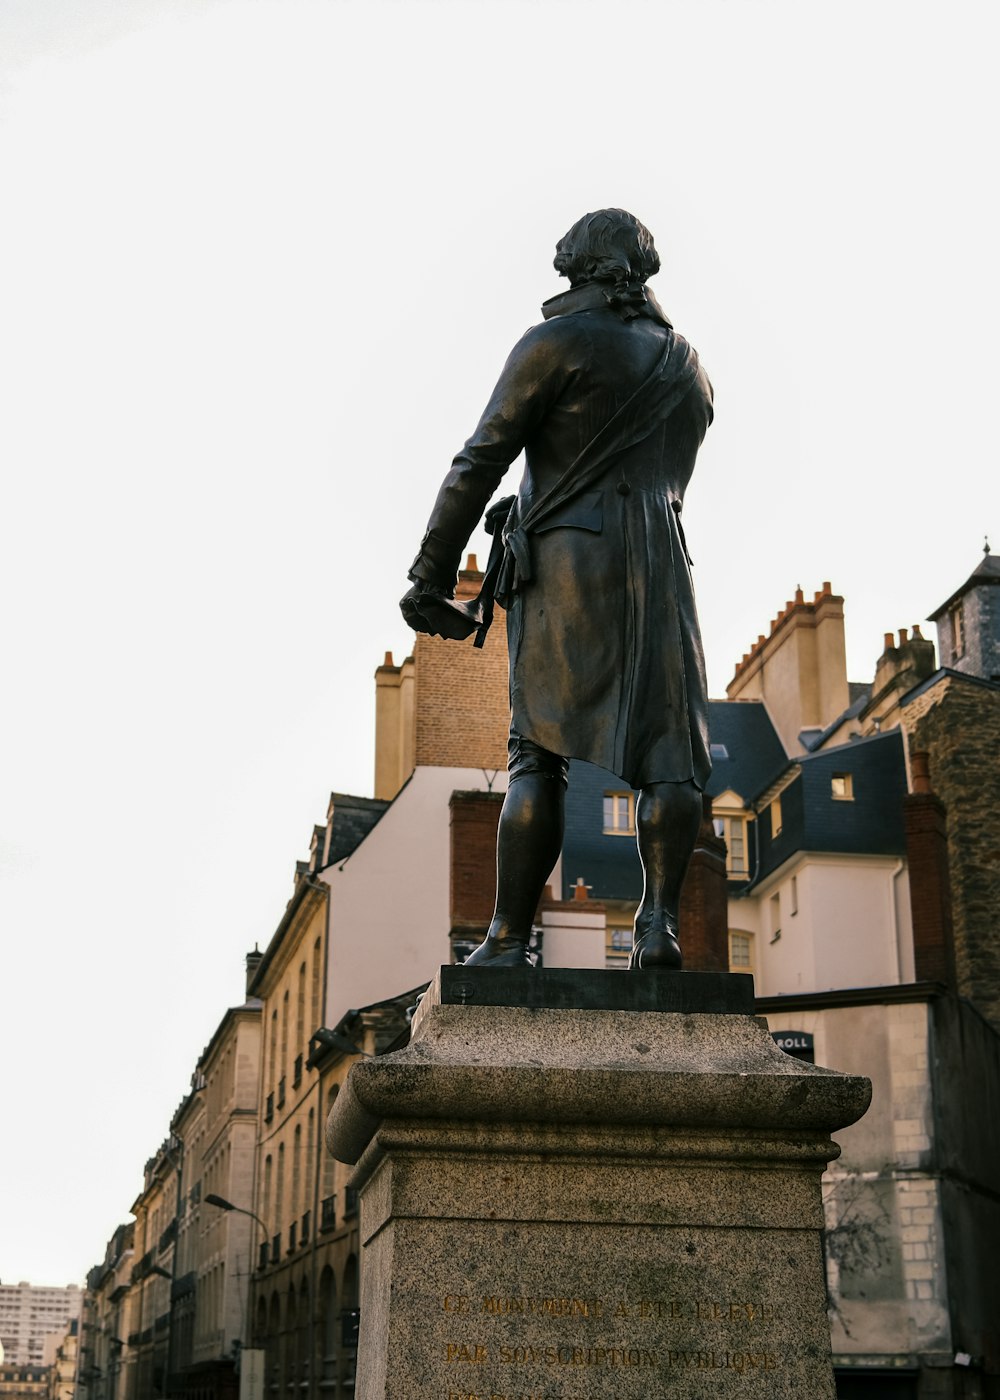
(533, 377)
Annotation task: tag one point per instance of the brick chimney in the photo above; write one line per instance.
(904, 663)
(461, 701)
(799, 669)
(925, 823)
(474, 818)
(704, 909)
(446, 706)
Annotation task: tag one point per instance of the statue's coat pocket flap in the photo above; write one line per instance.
(586, 512)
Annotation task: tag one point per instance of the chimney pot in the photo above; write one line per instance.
(827, 590)
(918, 636)
(902, 636)
(890, 641)
(388, 659)
(581, 891)
(799, 595)
(471, 566)
(761, 639)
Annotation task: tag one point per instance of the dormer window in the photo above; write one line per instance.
(619, 814)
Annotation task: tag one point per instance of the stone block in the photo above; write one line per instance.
(570, 1203)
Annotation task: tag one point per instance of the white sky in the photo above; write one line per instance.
(260, 264)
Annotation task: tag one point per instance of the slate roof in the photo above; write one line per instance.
(870, 823)
(986, 571)
(353, 818)
(755, 753)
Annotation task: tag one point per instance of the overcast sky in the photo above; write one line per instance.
(261, 263)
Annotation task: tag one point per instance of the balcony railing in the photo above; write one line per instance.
(328, 1213)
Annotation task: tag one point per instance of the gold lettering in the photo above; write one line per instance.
(457, 1353)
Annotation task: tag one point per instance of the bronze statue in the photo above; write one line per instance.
(610, 406)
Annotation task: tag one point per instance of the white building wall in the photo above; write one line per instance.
(845, 923)
(389, 901)
(575, 937)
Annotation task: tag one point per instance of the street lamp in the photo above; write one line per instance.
(250, 1361)
(213, 1200)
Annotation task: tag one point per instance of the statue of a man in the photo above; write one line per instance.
(610, 406)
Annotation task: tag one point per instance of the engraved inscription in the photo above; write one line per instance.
(717, 1324)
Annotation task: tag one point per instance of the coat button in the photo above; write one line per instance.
(623, 488)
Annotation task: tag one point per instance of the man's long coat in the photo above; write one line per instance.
(606, 661)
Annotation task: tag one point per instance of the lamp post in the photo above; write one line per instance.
(250, 1361)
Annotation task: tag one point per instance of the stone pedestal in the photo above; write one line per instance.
(573, 1202)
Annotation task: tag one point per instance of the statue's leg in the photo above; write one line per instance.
(529, 839)
(667, 818)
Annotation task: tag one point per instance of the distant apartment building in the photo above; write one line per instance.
(30, 1314)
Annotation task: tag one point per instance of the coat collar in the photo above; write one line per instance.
(600, 296)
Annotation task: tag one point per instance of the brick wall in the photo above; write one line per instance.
(703, 922)
(461, 700)
(926, 825)
(474, 817)
(957, 721)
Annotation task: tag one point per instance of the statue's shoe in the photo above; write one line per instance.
(500, 952)
(657, 949)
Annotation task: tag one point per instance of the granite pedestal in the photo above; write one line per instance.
(593, 1198)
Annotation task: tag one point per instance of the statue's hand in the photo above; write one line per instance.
(409, 605)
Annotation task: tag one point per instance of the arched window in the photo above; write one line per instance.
(304, 1344)
(266, 1204)
(279, 1194)
(326, 1333)
(329, 1165)
(296, 1173)
(289, 1342)
(300, 1014)
(310, 1151)
(317, 973)
(273, 1347)
(349, 1322)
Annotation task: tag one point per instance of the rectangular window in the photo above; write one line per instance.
(740, 951)
(795, 895)
(775, 818)
(842, 787)
(775, 908)
(734, 833)
(619, 813)
(957, 631)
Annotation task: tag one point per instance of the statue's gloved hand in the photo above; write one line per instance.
(409, 605)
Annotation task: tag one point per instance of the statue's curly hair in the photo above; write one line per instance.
(610, 245)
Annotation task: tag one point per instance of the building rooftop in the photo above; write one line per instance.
(986, 571)
(353, 818)
(747, 754)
